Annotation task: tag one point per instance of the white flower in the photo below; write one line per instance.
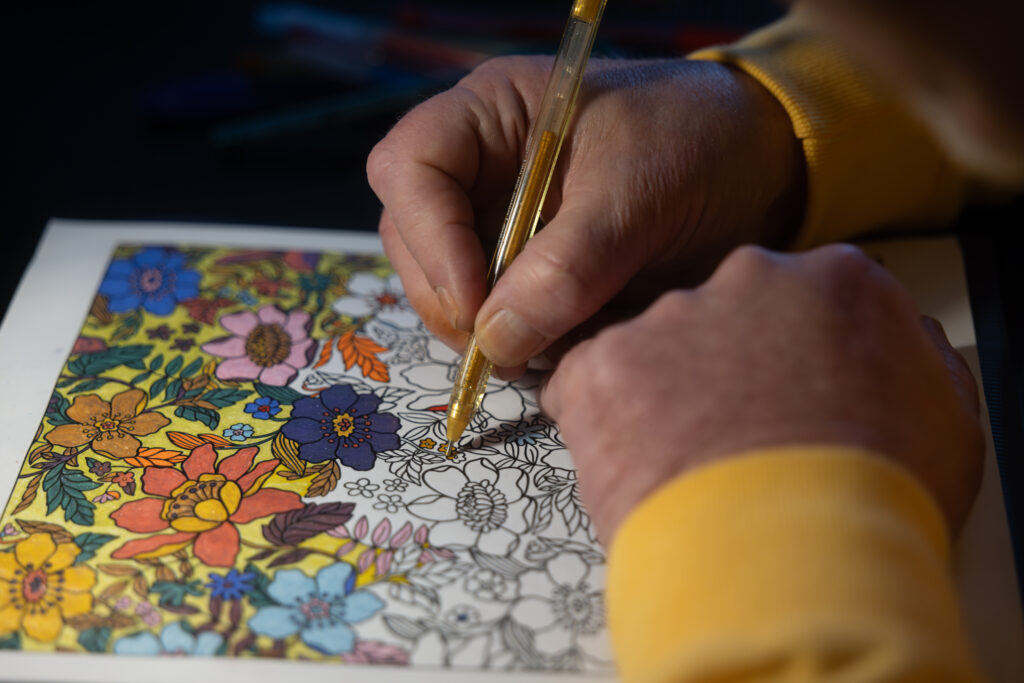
(361, 487)
(384, 299)
(481, 506)
(564, 606)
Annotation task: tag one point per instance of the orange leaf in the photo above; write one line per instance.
(363, 351)
(155, 457)
(183, 440)
(217, 441)
(325, 355)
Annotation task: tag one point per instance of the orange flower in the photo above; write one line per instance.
(109, 427)
(39, 587)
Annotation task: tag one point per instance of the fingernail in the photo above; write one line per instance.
(506, 339)
(448, 307)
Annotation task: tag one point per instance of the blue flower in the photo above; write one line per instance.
(339, 423)
(320, 610)
(174, 640)
(153, 278)
(263, 408)
(231, 587)
(238, 432)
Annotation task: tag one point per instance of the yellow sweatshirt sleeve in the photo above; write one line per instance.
(791, 564)
(871, 166)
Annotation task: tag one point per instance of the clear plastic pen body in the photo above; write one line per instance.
(542, 149)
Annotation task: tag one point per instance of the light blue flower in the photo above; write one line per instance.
(320, 610)
(174, 640)
(238, 432)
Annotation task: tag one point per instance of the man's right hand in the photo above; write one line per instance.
(667, 167)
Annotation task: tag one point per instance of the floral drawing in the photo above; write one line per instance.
(154, 278)
(269, 345)
(110, 428)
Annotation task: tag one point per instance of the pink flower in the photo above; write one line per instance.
(269, 346)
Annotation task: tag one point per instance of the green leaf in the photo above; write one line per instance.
(141, 377)
(192, 368)
(90, 542)
(63, 488)
(258, 596)
(173, 593)
(136, 365)
(95, 639)
(172, 390)
(284, 395)
(11, 642)
(157, 361)
(174, 365)
(57, 410)
(95, 363)
(88, 385)
(208, 417)
(222, 398)
(157, 386)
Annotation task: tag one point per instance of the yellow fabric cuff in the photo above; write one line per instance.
(791, 564)
(871, 165)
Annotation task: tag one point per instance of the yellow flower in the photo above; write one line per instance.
(39, 587)
(109, 427)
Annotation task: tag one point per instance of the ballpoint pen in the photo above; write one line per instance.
(542, 149)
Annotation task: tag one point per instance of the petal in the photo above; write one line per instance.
(255, 478)
(241, 323)
(366, 284)
(317, 451)
(361, 605)
(303, 430)
(84, 409)
(481, 470)
(207, 644)
(358, 456)
(385, 442)
(533, 612)
(274, 621)
(271, 315)
(78, 579)
(153, 546)
(234, 466)
(63, 557)
(10, 618)
(501, 541)
(117, 445)
(219, 546)
(238, 369)
(511, 482)
(332, 581)
(72, 604)
(150, 257)
(127, 404)
(330, 639)
(301, 354)
(394, 285)
(537, 583)
(278, 375)
(568, 569)
(69, 436)
(147, 423)
(352, 306)
(266, 502)
(176, 640)
(159, 303)
(141, 516)
(43, 625)
(225, 347)
(399, 316)
(505, 404)
(291, 586)
(454, 534)
(127, 302)
(309, 407)
(435, 508)
(364, 404)
(297, 325)
(34, 551)
(427, 401)
(448, 480)
(144, 643)
(340, 396)
(161, 481)
(429, 376)
(8, 567)
(200, 462)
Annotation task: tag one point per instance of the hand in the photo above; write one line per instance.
(774, 350)
(668, 165)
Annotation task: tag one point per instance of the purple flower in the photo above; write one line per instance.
(263, 408)
(231, 587)
(153, 278)
(339, 423)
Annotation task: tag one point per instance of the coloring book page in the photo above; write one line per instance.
(243, 460)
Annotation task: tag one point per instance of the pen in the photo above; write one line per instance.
(542, 149)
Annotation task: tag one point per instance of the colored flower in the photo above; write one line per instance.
(126, 480)
(361, 487)
(483, 504)
(110, 428)
(202, 506)
(40, 587)
(238, 432)
(320, 610)
(427, 443)
(263, 408)
(161, 332)
(384, 299)
(269, 346)
(231, 587)
(174, 639)
(154, 278)
(183, 344)
(189, 328)
(339, 423)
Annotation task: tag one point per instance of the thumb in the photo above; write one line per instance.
(963, 380)
(565, 274)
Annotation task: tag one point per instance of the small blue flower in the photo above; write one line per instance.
(238, 432)
(319, 610)
(263, 408)
(231, 587)
(153, 278)
(174, 640)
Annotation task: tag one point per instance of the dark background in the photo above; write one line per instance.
(80, 139)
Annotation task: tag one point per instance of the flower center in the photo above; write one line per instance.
(481, 506)
(344, 425)
(150, 280)
(387, 299)
(268, 345)
(316, 609)
(34, 585)
(201, 505)
(575, 609)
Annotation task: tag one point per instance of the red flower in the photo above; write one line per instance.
(202, 508)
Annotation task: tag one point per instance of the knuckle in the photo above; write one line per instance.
(379, 164)
(747, 258)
